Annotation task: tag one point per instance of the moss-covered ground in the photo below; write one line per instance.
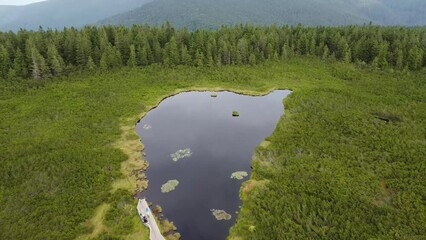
(345, 161)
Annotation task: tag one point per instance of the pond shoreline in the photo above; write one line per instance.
(134, 147)
(209, 90)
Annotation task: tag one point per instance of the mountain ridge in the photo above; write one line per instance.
(62, 13)
(204, 14)
(195, 14)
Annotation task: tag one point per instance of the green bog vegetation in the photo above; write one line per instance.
(345, 161)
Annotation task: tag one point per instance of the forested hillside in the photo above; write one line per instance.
(194, 14)
(62, 13)
(46, 54)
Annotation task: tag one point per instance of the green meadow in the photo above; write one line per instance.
(346, 160)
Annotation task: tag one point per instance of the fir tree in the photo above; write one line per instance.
(39, 67)
(19, 64)
(55, 61)
(90, 64)
(4, 62)
(185, 58)
(132, 57)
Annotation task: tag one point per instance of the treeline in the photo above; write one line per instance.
(46, 53)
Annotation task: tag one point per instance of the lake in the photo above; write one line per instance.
(213, 145)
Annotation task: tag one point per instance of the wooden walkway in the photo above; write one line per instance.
(145, 211)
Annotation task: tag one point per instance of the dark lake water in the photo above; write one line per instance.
(220, 145)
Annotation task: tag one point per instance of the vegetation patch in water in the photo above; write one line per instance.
(169, 186)
(239, 175)
(235, 114)
(182, 153)
(220, 214)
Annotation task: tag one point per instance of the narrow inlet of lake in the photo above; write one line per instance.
(199, 153)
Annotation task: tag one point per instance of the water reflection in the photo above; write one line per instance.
(209, 145)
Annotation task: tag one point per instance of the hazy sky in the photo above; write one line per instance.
(18, 2)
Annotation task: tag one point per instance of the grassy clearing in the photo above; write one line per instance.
(132, 169)
(96, 222)
(332, 168)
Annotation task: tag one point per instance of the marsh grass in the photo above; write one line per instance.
(96, 222)
(327, 158)
(388, 117)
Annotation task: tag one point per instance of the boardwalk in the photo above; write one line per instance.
(144, 210)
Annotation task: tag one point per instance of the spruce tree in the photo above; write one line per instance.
(382, 57)
(142, 56)
(55, 61)
(399, 62)
(325, 52)
(19, 64)
(83, 50)
(171, 53)
(39, 67)
(199, 59)
(103, 63)
(132, 57)
(347, 54)
(90, 64)
(4, 62)
(185, 57)
(415, 58)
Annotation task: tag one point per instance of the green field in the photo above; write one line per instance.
(347, 160)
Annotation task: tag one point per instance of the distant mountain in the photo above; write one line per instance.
(211, 14)
(195, 14)
(60, 13)
(394, 12)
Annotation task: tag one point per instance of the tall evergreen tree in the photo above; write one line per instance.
(325, 52)
(91, 64)
(55, 61)
(185, 57)
(4, 62)
(83, 50)
(19, 64)
(171, 53)
(415, 58)
(39, 67)
(142, 56)
(347, 54)
(399, 64)
(103, 63)
(132, 57)
(243, 50)
(382, 58)
(199, 59)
